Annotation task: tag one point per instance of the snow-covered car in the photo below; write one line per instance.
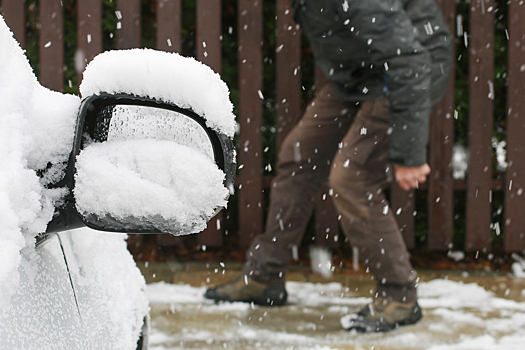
(147, 149)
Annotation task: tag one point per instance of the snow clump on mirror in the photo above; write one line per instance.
(168, 186)
(169, 77)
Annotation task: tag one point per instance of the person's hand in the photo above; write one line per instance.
(411, 177)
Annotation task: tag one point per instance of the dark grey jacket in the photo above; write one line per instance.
(398, 49)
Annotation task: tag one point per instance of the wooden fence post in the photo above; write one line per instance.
(326, 223)
(403, 203)
(250, 179)
(52, 44)
(288, 71)
(13, 12)
(209, 52)
(481, 109)
(479, 182)
(128, 24)
(514, 239)
(89, 31)
(128, 36)
(169, 23)
(441, 183)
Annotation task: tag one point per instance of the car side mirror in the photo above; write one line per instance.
(140, 165)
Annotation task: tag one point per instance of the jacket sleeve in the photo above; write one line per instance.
(394, 43)
(433, 34)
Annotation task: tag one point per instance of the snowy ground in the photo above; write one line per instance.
(459, 314)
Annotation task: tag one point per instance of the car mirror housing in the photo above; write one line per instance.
(140, 165)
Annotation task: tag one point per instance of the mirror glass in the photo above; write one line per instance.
(142, 122)
(153, 171)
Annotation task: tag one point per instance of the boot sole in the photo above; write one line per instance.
(386, 327)
(264, 300)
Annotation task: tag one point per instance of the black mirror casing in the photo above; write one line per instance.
(94, 120)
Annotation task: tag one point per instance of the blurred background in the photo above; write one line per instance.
(469, 214)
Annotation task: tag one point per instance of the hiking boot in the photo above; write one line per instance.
(382, 315)
(245, 289)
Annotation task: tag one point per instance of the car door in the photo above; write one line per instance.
(109, 288)
(43, 313)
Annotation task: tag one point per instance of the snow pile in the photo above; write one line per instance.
(518, 266)
(454, 295)
(36, 135)
(169, 77)
(321, 261)
(456, 255)
(460, 158)
(165, 293)
(143, 178)
(459, 162)
(500, 149)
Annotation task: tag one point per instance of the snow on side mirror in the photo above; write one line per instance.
(148, 167)
(153, 149)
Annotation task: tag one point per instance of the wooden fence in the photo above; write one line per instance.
(479, 185)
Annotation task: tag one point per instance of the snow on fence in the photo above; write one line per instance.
(479, 184)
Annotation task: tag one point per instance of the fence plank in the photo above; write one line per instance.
(13, 12)
(128, 24)
(169, 39)
(514, 198)
(481, 107)
(89, 31)
(288, 62)
(403, 203)
(479, 182)
(326, 223)
(441, 183)
(250, 118)
(128, 36)
(209, 33)
(169, 23)
(209, 52)
(52, 44)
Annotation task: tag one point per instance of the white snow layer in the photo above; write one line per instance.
(457, 316)
(109, 292)
(169, 77)
(36, 134)
(147, 177)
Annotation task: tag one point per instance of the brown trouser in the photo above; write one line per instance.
(346, 144)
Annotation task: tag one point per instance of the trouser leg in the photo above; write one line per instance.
(303, 166)
(359, 173)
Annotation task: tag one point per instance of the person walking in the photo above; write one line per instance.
(387, 62)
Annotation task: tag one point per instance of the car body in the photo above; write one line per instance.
(148, 149)
(77, 290)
